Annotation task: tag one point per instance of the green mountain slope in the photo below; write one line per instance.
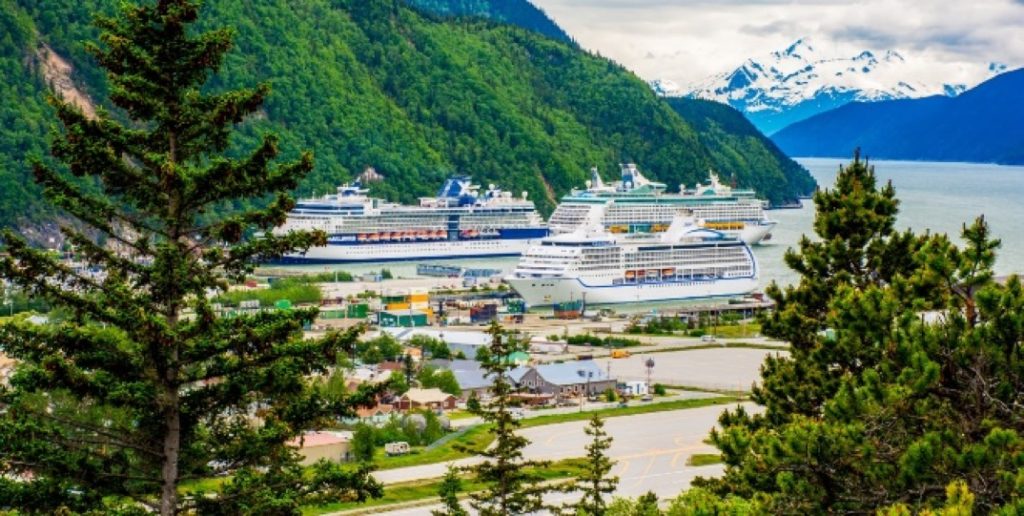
(373, 83)
(736, 145)
(515, 12)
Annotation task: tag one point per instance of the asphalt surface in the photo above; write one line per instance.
(650, 451)
(731, 369)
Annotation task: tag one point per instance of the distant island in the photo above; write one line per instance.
(984, 125)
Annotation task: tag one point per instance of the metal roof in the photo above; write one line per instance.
(568, 373)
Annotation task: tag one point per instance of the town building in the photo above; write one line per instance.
(373, 416)
(470, 376)
(565, 379)
(465, 342)
(635, 388)
(314, 446)
(429, 399)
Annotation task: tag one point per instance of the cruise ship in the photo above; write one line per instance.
(460, 222)
(639, 205)
(595, 266)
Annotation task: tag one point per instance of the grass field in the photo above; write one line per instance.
(735, 331)
(704, 459)
(638, 407)
(426, 490)
(476, 438)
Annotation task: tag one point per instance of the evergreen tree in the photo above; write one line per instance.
(144, 385)
(511, 488)
(857, 246)
(918, 402)
(594, 482)
(449, 491)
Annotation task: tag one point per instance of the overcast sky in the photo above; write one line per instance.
(687, 40)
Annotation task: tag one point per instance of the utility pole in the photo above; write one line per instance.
(650, 367)
(587, 375)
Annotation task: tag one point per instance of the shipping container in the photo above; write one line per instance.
(402, 319)
(357, 311)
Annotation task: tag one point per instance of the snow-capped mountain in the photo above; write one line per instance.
(666, 88)
(800, 81)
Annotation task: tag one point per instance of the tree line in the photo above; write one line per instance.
(902, 393)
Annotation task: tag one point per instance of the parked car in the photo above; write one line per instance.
(647, 397)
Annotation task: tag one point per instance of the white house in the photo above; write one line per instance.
(635, 388)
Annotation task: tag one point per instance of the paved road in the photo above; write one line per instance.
(733, 369)
(595, 405)
(650, 450)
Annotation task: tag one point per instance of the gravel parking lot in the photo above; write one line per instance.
(733, 369)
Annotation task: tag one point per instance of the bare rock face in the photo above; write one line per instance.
(58, 72)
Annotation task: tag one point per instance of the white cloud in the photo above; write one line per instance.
(685, 41)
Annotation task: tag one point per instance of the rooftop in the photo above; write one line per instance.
(568, 373)
(311, 439)
(464, 338)
(434, 395)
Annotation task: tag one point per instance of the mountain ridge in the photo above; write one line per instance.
(520, 13)
(797, 82)
(983, 124)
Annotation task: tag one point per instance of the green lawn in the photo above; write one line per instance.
(704, 459)
(426, 490)
(735, 331)
(458, 414)
(476, 438)
(635, 407)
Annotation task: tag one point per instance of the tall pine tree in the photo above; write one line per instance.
(511, 487)
(913, 396)
(142, 386)
(595, 481)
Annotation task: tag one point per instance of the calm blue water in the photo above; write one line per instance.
(938, 197)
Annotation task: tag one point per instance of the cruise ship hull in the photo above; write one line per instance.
(406, 251)
(549, 291)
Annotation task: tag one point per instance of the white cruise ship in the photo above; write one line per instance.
(595, 266)
(460, 222)
(638, 205)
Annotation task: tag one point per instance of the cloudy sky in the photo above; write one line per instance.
(946, 41)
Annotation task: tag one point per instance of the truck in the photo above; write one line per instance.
(396, 448)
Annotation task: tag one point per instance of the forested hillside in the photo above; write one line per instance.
(735, 144)
(374, 83)
(516, 12)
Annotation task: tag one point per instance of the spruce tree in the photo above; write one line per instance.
(856, 246)
(511, 487)
(594, 482)
(142, 385)
(449, 491)
(924, 394)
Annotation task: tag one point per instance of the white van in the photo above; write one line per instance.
(399, 448)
